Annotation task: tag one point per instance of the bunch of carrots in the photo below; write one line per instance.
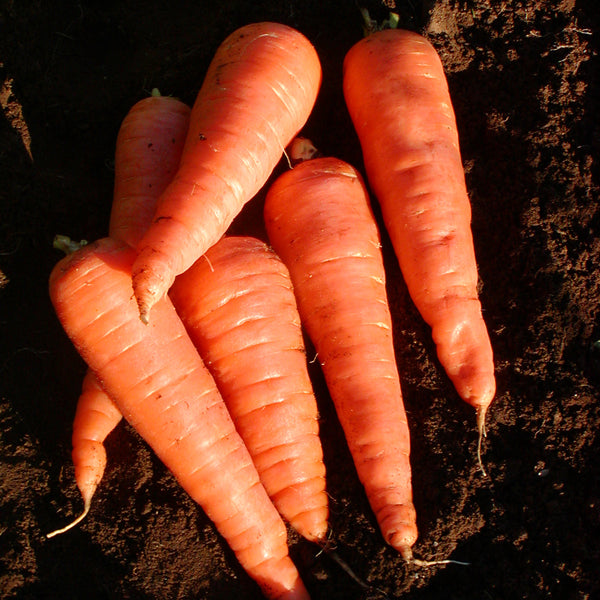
(205, 359)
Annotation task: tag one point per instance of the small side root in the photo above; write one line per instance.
(432, 563)
(346, 568)
(481, 410)
(86, 510)
(329, 549)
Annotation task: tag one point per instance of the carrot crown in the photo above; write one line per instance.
(371, 26)
(66, 244)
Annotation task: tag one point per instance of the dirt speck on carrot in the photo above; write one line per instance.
(234, 142)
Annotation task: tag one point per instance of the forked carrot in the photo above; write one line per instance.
(239, 308)
(158, 381)
(319, 220)
(397, 96)
(147, 153)
(257, 94)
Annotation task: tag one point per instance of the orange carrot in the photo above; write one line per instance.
(258, 93)
(239, 308)
(319, 220)
(147, 153)
(158, 381)
(96, 416)
(397, 95)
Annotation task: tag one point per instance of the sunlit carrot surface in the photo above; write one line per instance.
(259, 91)
(398, 98)
(239, 308)
(157, 380)
(319, 221)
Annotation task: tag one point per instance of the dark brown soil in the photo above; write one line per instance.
(524, 77)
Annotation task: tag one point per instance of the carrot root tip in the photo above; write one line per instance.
(406, 553)
(432, 563)
(144, 310)
(327, 546)
(86, 510)
(481, 411)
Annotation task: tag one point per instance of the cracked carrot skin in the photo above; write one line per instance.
(159, 383)
(258, 93)
(239, 308)
(147, 153)
(319, 220)
(397, 96)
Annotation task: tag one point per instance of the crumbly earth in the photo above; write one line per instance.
(524, 78)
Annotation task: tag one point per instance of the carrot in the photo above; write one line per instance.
(96, 416)
(257, 94)
(148, 148)
(319, 220)
(239, 308)
(397, 96)
(158, 381)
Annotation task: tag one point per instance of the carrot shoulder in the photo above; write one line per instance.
(161, 386)
(397, 96)
(239, 308)
(257, 94)
(319, 220)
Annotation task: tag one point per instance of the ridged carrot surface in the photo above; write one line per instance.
(147, 153)
(239, 308)
(158, 381)
(96, 416)
(148, 148)
(319, 220)
(398, 98)
(257, 94)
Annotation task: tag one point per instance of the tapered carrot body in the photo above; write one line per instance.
(257, 94)
(147, 153)
(397, 96)
(319, 220)
(239, 308)
(148, 149)
(158, 381)
(96, 416)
